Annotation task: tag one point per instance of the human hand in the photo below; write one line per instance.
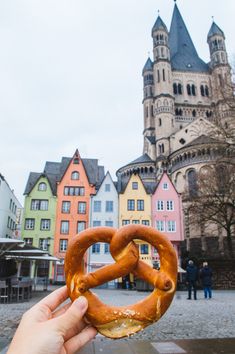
(45, 330)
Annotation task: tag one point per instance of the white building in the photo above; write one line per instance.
(103, 212)
(10, 211)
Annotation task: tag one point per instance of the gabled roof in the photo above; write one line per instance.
(148, 66)
(184, 56)
(34, 178)
(54, 171)
(159, 25)
(215, 30)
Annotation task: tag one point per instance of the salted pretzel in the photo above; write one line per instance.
(113, 321)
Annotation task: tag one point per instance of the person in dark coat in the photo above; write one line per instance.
(191, 279)
(206, 278)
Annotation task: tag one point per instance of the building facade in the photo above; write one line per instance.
(103, 212)
(167, 213)
(74, 189)
(10, 211)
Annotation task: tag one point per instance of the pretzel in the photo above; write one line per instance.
(113, 321)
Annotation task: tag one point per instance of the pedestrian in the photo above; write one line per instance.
(47, 329)
(191, 279)
(206, 278)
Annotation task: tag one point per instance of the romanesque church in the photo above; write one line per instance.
(182, 96)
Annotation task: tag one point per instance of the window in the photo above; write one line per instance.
(39, 204)
(97, 206)
(140, 204)
(106, 248)
(28, 241)
(171, 226)
(160, 205)
(65, 207)
(74, 191)
(135, 221)
(144, 249)
(109, 223)
(109, 206)
(63, 245)
(134, 185)
(81, 207)
(75, 175)
(76, 161)
(81, 225)
(130, 204)
(170, 205)
(125, 222)
(192, 183)
(165, 186)
(29, 224)
(64, 227)
(107, 187)
(160, 225)
(43, 244)
(42, 186)
(96, 223)
(145, 222)
(96, 248)
(10, 204)
(45, 224)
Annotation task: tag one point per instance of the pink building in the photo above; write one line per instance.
(167, 213)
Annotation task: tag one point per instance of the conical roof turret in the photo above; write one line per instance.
(215, 30)
(148, 66)
(159, 25)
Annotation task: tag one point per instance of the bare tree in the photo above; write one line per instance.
(213, 200)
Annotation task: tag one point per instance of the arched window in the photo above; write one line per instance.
(179, 89)
(189, 90)
(175, 89)
(75, 175)
(42, 186)
(192, 183)
(193, 90)
(194, 113)
(202, 90)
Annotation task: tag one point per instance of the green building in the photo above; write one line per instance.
(38, 224)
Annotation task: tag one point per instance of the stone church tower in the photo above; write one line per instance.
(181, 98)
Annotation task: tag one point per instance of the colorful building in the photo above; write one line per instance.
(38, 224)
(10, 211)
(167, 213)
(74, 189)
(103, 212)
(135, 208)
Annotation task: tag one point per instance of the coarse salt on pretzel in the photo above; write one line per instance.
(113, 321)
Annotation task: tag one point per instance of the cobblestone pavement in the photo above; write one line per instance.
(185, 319)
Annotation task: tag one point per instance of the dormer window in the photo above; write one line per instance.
(75, 175)
(42, 187)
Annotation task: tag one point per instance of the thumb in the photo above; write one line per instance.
(73, 315)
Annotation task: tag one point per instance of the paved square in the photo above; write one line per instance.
(168, 348)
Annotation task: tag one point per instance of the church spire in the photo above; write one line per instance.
(183, 53)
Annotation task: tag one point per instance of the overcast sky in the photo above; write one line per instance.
(70, 76)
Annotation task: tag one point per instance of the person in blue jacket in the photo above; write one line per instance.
(206, 279)
(191, 279)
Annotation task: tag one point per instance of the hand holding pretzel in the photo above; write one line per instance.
(118, 322)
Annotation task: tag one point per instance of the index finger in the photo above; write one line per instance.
(56, 298)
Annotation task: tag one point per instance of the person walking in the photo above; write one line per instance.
(191, 279)
(206, 278)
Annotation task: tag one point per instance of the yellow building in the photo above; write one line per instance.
(135, 208)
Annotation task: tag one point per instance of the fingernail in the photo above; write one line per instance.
(81, 302)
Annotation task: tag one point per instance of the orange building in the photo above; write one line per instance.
(77, 184)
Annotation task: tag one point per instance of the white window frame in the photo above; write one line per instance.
(97, 206)
(171, 226)
(160, 205)
(165, 186)
(170, 205)
(63, 245)
(29, 224)
(160, 225)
